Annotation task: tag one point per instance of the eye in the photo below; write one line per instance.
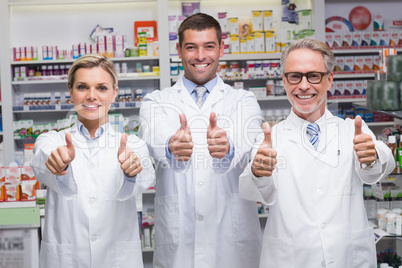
(81, 87)
(102, 88)
(190, 47)
(314, 75)
(294, 76)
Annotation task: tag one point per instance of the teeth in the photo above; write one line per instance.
(200, 65)
(90, 106)
(305, 96)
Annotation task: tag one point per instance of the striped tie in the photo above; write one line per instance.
(200, 95)
(312, 131)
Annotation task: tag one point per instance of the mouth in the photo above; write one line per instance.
(91, 106)
(201, 66)
(306, 97)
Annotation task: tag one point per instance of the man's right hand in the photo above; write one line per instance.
(265, 159)
(181, 143)
(60, 158)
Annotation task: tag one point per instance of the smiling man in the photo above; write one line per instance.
(196, 132)
(315, 195)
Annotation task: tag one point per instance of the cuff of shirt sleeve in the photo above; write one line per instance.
(231, 152)
(169, 155)
(130, 179)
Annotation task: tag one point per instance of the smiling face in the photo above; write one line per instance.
(200, 52)
(92, 94)
(308, 100)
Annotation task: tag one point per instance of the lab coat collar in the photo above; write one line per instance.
(106, 139)
(215, 96)
(329, 136)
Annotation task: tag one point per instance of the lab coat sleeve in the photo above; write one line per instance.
(247, 120)
(385, 163)
(157, 126)
(258, 189)
(144, 179)
(64, 185)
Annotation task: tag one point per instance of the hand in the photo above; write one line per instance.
(129, 161)
(181, 143)
(363, 144)
(265, 159)
(60, 158)
(218, 143)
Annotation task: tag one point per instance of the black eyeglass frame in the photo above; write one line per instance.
(322, 74)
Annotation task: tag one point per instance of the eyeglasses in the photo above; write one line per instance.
(312, 77)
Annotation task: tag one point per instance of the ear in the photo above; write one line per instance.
(116, 90)
(178, 49)
(330, 80)
(70, 89)
(221, 48)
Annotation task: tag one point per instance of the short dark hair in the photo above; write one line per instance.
(200, 22)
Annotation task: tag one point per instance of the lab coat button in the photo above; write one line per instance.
(93, 238)
(200, 184)
(323, 264)
(92, 200)
(200, 218)
(320, 192)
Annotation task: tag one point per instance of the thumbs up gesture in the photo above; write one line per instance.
(129, 161)
(60, 158)
(363, 144)
(181, 143)
(218, 143)
(265, 159)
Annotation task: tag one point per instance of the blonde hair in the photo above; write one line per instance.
(91, 61)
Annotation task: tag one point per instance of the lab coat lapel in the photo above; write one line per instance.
(184, 97)
(214, 97)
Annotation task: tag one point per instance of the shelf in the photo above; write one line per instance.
(262, 216)
(397, 114)
(115, 106)
(346, 100)
(273, 98)
(149, 191)
(362, 50)
(354, 74)
(40, 62)
(380, 124)
(251, 56)
(69, 2)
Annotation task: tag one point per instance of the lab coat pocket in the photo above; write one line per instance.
(245, 222)
(167, 219)
(128, 254)
(363, 247)
(278, 251)
(56, 255)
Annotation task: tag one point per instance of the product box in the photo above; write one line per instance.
(259, 92)
(365, 39)
(101, 44)
(119, 46)
(347, 39)
(233, 25)
(339, 64)
(394, 38)
(349, 63)
(359, 63)
(367, 63)
(259, 42)
(329, 39)
(250, 44)
(375, 39)
(358, 87)
(223, 21)
(338, 39)
(268, 19)
(339, 87)
(270, 46)
(394, 67)
(349, 87)
(234, 44)
(257, 23)
(385, 38)
(356, 39)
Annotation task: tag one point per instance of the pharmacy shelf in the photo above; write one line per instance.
(128, 77)
(347, 100)
(115, 106)
(262, 216)
(363, 50)
(40, 62)
(251, 56)
(396, 114)
(380, 124)
(64, 2)
(354, 75)
(149, 191)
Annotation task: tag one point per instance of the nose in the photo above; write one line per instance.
(304, 84)
(200, 55)
(91, 94)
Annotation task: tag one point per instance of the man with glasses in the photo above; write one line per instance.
(310, 170)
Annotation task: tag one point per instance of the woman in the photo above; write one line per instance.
(92, 175)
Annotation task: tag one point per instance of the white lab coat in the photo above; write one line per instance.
(200, 219)
(316, 210)
(91, 216)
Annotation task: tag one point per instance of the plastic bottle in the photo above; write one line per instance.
(392, 145)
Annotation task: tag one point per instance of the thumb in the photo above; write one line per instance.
(267, 134)
(358, 125)
(183, 124)
(212, 120)
(123, 143)
(70, 145)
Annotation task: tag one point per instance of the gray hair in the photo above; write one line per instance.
(315, 45)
